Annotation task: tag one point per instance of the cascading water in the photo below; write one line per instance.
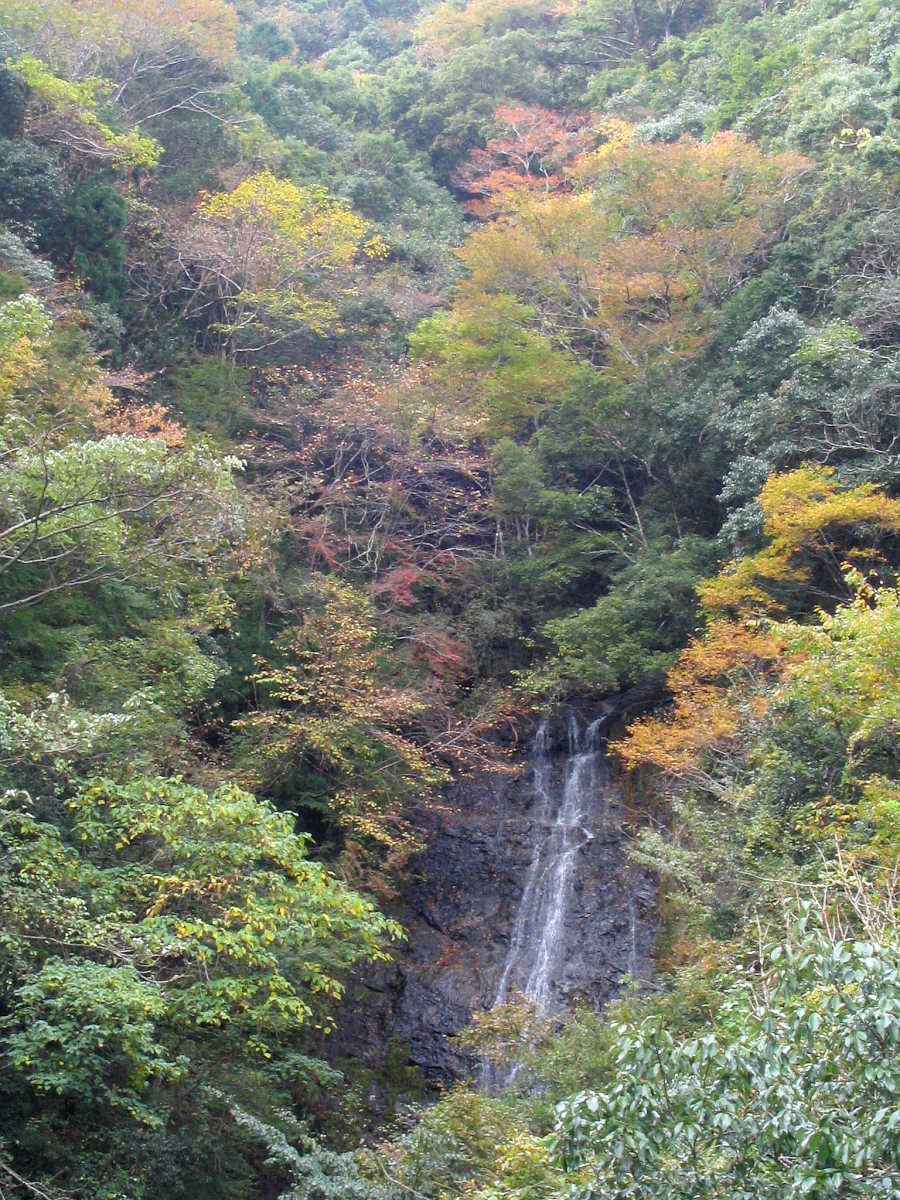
(526, 887)
(569, 809)
(564, 822)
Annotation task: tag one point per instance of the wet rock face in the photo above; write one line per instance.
(462, 908)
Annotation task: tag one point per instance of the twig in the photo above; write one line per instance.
(34, 1188)
(396, 1182)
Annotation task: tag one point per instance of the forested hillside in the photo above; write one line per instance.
(373, 376)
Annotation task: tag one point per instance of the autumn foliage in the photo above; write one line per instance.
(373, 376)
(622, 264)
(813, 526)
(450, 26)
(725, 680)
(269, 257)
(328, 720)
(719, 685)
(532, 150)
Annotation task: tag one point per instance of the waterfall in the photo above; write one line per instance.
(565, 814)
(526, 889)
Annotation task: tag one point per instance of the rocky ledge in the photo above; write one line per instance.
(461, 909)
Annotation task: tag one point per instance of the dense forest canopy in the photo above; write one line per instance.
(373, 375)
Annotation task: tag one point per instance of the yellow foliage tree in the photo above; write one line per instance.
(268, 257)
(24, 324)
(452, 26)
(337, 736)
(62, 113)
(720, 680)
(811, 522)
(725, 680)
(623, 268)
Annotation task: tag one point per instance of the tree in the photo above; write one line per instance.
(63, 113)
(641, 623)
(777, 754)
(152, 936)
(532, 149)
(31, 188)
(486, 361)
(621, 270)
(334, 738)
(829, 761)
(639, 26)
(155, 57)
(449, 111)
(792, 1091)
(24, 326)
(722, 678)
(78, 508)
(800, 394)
(94, 216)
(268, 258)
(811, 522)
(451, 26)
(118, 507)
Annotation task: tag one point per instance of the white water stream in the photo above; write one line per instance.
(564, 816)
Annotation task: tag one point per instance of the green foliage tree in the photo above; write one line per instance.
(501, 371)
(792, 1089)
(94, 216)
(829, 759)
(78, 508)
(152, 933)
(31, 188)
(635, 629)
(118, 507)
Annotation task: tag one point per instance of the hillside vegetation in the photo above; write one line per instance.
(372, 375)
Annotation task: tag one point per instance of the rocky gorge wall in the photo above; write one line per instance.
(498, 837)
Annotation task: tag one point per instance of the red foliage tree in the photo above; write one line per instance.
(532, 149)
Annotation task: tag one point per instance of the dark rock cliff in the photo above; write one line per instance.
(460, 910)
